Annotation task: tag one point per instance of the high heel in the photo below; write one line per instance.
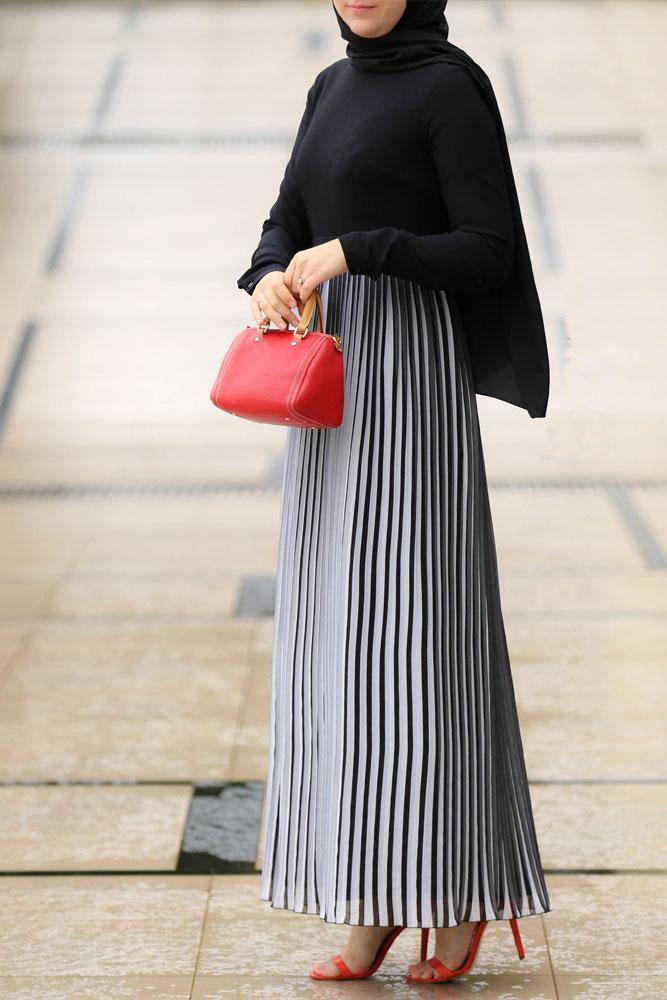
(444, 973)
(345, 972)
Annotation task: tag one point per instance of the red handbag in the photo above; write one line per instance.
(282, 376)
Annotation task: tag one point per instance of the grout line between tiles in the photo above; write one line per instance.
(250, 661)
(65, 221)
(551, 964)
(249, 869)
(605, 871)
(201, 935)
(550, 256)
(637, 527)
(27, 337)
(108, 90)
(83, 621)
(12, 659)
(91, 490)
(513, 87)
(240, 782)
(95, 140)
(497, 12)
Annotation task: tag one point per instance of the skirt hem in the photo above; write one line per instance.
(534, 911)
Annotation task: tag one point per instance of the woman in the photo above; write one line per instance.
(397, 794)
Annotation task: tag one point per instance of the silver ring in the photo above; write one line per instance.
(302, 281)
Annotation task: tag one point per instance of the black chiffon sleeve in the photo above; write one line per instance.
(286, 229)
(476, 253)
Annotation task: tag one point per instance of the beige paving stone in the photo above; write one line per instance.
(124, 702)
(142, 463)
(584, 596)
(636, 985)
(587, 100)
(595, 326)
(64, 299)
(250, 756)
(53, 745)
(598, 748)
(40, 539)
(595, 826)
(545, 530)
(95, 987)
(97, 397)
(47, 26)
(494, 987)
(135, 667)
(92, 828)
(102, 925)
(236, 916)
(53, 87)
(263, 640)
(236, 531)
(32, 190)
(583, 928)
(582, 447)
(638, 223)
(208, 536)
(119, 597)
(590, 696)
(199, 94)
(644, 73)
(23, 598)
(598, 659)
(653, 506)
(11, 638)
(136, 220)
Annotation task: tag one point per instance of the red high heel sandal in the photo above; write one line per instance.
(384, 947)
(444, 973)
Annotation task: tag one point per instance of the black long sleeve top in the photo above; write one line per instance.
(411, 172)
(406, 170)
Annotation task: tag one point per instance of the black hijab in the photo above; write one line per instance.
(504, 328)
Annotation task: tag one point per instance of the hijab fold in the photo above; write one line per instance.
(504, 328)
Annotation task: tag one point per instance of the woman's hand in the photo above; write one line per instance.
(273, 298)
(315, 266)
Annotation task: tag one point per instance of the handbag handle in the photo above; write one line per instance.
(314, 299)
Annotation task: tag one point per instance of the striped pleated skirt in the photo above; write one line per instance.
(397, 790)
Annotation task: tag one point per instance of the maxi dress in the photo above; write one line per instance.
(397, 790)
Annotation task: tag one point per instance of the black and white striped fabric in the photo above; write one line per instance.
(397, 791)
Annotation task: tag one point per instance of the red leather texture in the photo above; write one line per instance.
(275, 378)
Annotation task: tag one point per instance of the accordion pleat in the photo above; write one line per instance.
(397, 790)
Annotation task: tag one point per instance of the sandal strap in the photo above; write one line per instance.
(439, 966)
(340, 962)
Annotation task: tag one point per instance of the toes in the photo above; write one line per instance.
(326, 969)
(423, 970)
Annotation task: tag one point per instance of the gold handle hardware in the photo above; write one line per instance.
(301, 331)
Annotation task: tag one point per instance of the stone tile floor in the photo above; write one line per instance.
(139, 525)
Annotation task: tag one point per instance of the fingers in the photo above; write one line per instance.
(294, 272)
(256, 312)
(270, 302)
(286, 303)
(309, 285)
(273, 314)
